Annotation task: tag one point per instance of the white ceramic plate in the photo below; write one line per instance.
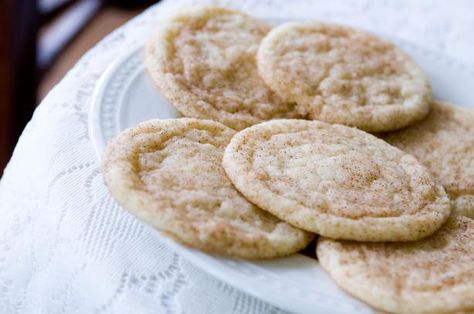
(125, 96)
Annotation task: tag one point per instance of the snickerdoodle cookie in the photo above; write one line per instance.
(169, 174)
(336, 181)
(444, 143)
(343, 75)
(433, 275)
(204, 62)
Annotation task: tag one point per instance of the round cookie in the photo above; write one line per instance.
(168, 173)
(204, 62)
(433, 275)
(336, 181)
(444, 143)
(344, 75)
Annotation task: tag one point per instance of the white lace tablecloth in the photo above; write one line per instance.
(65, 247)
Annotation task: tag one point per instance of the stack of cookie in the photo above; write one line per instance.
(275, 150)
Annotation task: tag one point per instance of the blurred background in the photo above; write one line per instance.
(40, 41)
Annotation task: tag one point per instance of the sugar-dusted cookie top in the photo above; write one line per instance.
(444, 143)
(343, 75)
(168, 173)
(336, 181)
(204, 62)
(430, 276)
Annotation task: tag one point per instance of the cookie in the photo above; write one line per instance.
(336, 181)
(168, 173)
(204, 63)
(433, 275)
(444, 143)
(343, 75)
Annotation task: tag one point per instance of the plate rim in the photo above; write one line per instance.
(94, 125)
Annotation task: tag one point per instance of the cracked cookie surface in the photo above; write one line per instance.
(444, 143)
(204, 62)
(336, 181)
(169, 174)
(433, 275)
(343, 75)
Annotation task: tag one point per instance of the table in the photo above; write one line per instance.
(66, 247)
